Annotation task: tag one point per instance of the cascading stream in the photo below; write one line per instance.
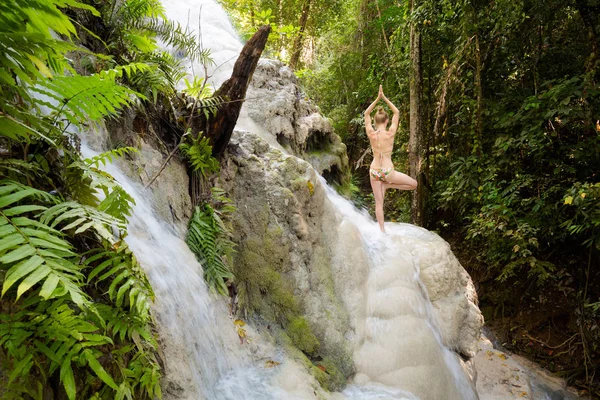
(205, 358)
(402, 343)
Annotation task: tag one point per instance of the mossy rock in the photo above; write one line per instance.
(302, 336)
(329, 376)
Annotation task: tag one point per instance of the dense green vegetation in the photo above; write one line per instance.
(510, 143)
(75, 307)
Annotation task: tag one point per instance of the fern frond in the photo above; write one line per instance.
(32, 252)
(54, 335)
(207, 239)
(126, 324)
(197, 89)
(109, 156)
(209, 105)
(22, 170)
(132, 10)
(171, 68)
(127, 70)
(129, 286)
(199, 155)
(84, 178)
(118, 203)
(20, 54)
(80, 218)
(174, 35)
(41, 16)
(80, 99)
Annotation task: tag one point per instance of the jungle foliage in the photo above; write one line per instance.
(210, 239)
(75, 307)
(511, 138)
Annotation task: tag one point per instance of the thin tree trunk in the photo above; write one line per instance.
(280, 25)
(299, 41)
(589, 15)
(385, 39)
(416, 121)
(479, 91)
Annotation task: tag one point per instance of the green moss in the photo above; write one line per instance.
(325, 371)
(302, 336)
(334, 379)
(262, 259)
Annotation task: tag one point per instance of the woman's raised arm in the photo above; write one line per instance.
(396, 116)
(369, 110)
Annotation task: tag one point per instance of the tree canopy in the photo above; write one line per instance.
(509, 145)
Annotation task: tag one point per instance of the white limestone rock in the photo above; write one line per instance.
(503, 376)
(278, 105)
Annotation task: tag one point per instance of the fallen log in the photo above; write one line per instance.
(220, 127)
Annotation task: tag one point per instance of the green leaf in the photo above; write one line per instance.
(97, 368)
(33, 278)
(46, 351)
(49, 286)
(67, 379)
(21, 369)
(22, 209)
(18, 254)
(20, 270)
(11, 241)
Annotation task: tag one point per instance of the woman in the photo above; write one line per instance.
(382, 172)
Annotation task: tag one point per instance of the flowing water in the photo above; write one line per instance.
(403, 344)
(204, 356)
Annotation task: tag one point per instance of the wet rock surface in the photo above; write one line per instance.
(277, 104)
(304, 272)
(286, 232)
(172, 199)
(504, 376)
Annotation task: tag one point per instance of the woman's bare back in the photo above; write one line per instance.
(382, 145)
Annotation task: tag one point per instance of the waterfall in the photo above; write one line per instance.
(203, 357)
(399, 310)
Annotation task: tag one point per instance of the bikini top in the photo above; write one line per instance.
(381, 153)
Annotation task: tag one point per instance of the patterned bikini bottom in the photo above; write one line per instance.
(380, 174)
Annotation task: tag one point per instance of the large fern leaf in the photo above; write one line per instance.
(54, 334)
(32, 252)
(128, 283)
(207, 238)
(80, 99)
(80, 218)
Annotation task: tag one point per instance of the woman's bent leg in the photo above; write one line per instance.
(398, 180)
(378, 193)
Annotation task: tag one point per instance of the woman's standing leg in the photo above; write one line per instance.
(378, 193)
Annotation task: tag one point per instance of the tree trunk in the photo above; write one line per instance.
(589, 15)
(479, 91)
(299, 41)
(416, 122)
(220, 127)
(280, 42)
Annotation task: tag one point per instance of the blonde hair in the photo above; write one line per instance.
(381, 116)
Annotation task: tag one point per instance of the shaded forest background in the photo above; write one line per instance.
(507, 143)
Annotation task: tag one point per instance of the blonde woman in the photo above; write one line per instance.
(382, 173)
